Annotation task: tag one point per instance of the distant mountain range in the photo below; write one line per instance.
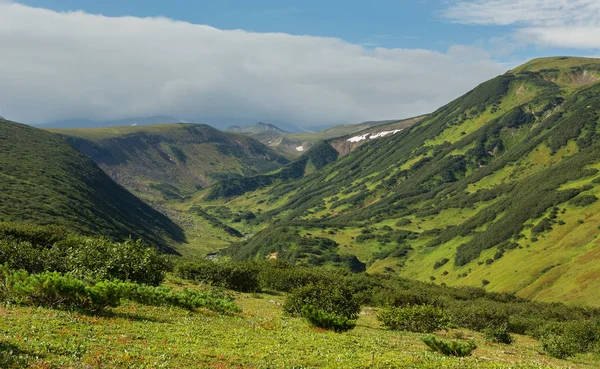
(88, 123)
(259, 127)
(294, 144)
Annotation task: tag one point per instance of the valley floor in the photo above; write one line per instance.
(135, 336)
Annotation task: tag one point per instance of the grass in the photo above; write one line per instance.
(135, 336)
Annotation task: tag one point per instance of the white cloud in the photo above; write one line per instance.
(555, 23)
(62, 65)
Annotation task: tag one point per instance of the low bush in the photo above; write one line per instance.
(54, 290)
(563, 340)
(558, 346)
(332, 298)
(417, 318)
(498, 334)
(325, 320)
(478, 314)
(280, 275)
(450, 348)
(241, 277)
(101, 259)
(38, 249)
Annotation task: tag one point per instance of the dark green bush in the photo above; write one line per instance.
(417, 318)
(498, 334)
(325, 320)
(450, 348)
(583, 200)
(332, 298)
(241, 277)
(440, 263)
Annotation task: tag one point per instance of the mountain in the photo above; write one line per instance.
(259, 127)
(497, 188)
(318, 155)
(171, 161)
(88, 123)
(294, 144)
(44, 180)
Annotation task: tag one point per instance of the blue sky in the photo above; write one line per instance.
(384, 23)
(331, 62)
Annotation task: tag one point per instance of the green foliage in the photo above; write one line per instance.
(236, 276)
(583, 200)
(479, 314)
(450, 348)
(417, 318)
(330, 321)
(331, 298)
(498, 334)
(54, 290)
(559, 347)
(440, 263)
(280, 275)
(563, 340)
(37, 249)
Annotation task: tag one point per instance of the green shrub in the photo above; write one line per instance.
(417, 318)
(280, 275)
(558, 346)
(241, 277)
(54, 290)
(583, 200)
(332, 298)
(325, 320)
(450, 348)
(440, 263)
(39, 249)
(101, 259)
(563, 340)
(478, 314)
(498, 334)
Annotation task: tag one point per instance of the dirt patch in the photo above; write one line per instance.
(584, 78)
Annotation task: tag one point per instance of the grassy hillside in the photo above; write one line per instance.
(171, 161)
(44, 180)
(497, 188)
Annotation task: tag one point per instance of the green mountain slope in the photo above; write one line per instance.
(44, 180)
(171, 161)
(499, 188)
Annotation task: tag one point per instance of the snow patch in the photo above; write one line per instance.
(358, 138)
(372, 136)
(300, 148)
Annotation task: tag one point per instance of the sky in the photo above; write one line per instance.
(309, 63)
